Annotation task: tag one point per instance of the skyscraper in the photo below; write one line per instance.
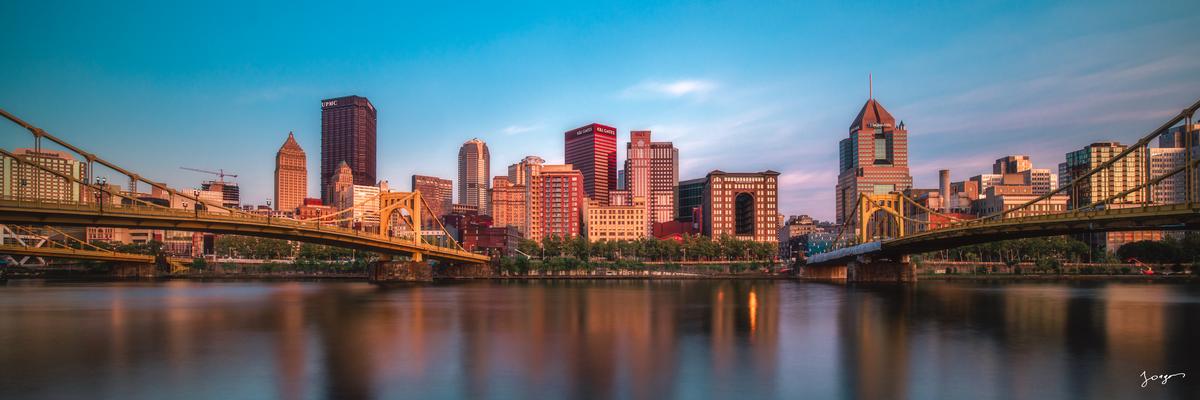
(873, 159)
(474, 170)
(592, 150)
(652, 173)
(291, 175)
(347, 134)
(437, 192)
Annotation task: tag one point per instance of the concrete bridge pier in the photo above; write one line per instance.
(864, 269)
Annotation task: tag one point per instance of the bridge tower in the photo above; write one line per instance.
(880, 216)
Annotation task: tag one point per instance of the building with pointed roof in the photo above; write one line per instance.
(291, 175)
(873, 159)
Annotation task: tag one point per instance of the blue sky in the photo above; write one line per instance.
(737, 86)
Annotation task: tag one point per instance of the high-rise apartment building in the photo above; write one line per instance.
(592, 149)
(616, 222)
(742, 205)
(474, 170)
(555, 202)
(437, 192)
(508, 204)
(518, 173)
(1125, 174)
(347, 135)
(27, 182)
(873, 159)
(291, 175)
(652, 173)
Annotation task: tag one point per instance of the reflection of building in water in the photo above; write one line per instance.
(875, 344)
(1134, 323)
(744, 311)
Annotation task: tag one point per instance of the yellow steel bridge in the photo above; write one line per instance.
(402, 231)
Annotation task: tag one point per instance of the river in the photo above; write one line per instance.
(639, 339)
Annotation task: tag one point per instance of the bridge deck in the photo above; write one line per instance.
(1159, 217)
(143, 217)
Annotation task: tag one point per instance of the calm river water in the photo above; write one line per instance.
(597, 339)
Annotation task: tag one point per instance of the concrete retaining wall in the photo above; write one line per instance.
(399, 271)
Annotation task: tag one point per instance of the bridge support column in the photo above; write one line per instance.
(133, 270)
(867, 270)
(399, 271)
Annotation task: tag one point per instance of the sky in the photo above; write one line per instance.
(737, 86)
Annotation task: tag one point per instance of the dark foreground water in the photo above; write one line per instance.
(597, 339)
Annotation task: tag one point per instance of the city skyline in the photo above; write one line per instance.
(1004, 92)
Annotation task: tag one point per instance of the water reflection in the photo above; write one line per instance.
(595, 339)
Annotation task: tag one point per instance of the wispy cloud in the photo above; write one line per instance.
(697, 88)
(518, 129)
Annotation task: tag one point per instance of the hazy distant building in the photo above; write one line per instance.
(873, 159)
(742, 205)
(592, 150)
(27, 182)
(474, 171)
(1172, 190)
(291, 175)
(652, 173)
(347, 135)
(437, 192)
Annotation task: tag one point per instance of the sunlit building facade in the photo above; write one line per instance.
(742, 205)
(616, 222)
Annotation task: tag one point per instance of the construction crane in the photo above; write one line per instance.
(220, 173)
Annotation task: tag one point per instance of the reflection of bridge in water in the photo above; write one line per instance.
(874, 242)
(400, 214)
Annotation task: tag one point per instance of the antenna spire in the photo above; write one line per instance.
(870, 87)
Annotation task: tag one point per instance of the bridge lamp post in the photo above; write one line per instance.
(196, 207)
(100, 181)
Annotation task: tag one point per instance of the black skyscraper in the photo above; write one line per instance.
(347, 134)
